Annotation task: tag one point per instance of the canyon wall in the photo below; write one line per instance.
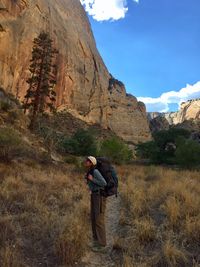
(84, 87)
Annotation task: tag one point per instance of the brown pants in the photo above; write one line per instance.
(98, 207)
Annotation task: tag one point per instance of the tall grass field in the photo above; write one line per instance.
(45, 216)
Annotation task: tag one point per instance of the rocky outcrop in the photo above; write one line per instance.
(173, 117)
(153, 115)
(84, 86)
(159, 123)
(189, 110)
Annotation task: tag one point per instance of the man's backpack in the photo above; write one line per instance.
(108, 172)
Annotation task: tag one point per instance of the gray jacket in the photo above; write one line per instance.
(98, 181)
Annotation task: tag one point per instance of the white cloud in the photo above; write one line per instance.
(106, 9)
(161, 104)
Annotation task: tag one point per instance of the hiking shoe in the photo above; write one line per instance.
(94, 243)
(99, 248)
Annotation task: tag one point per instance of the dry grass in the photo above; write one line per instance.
(160, 217)
(145, 230)
(44, 216)
(174, 256)
(10, 257)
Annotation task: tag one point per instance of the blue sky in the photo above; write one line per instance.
(153, 46)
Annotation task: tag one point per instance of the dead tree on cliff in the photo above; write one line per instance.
(40, 95)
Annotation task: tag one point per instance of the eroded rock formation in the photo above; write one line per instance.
(85, 88)
(189, 110)
(159, 123)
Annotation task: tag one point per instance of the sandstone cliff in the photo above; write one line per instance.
(189, 110)
(84, 87)
(159, 123)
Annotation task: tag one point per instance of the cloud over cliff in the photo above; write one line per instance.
(102, 10)
(161, 104)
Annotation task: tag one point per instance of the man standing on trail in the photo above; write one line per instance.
(96, 182)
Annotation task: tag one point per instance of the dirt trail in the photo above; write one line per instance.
(92, 259)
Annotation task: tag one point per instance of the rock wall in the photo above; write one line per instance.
(84, 86)
(189, 110)
(159, 123)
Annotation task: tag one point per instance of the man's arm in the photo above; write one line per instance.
(97, 178)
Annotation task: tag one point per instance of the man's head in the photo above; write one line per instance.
(90, 161)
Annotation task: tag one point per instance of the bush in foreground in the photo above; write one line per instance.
(9, 143)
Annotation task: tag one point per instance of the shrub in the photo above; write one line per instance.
(9, 143)
(166, 136)
(13, 116)
(167, 141)
(51, 137)
(71, 244)
(146, 150)
(145, 230)
(70, 159)
(116, 150)
(76, 161)
(4, 105)
(188, 154)
(162, 149)
(82, 143)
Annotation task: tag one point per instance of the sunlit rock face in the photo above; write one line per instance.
(188, 117)
(189, 110)
(84, 86)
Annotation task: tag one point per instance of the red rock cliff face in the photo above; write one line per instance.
(85, 87)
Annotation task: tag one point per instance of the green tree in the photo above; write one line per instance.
(82, 143)
(188, 153)
(166, 142)
(164, 137)
(148, 150)
(162, 149)
(40, 94)
(116, 150)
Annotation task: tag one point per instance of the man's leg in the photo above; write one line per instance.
(93, 221)
(100, 221)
